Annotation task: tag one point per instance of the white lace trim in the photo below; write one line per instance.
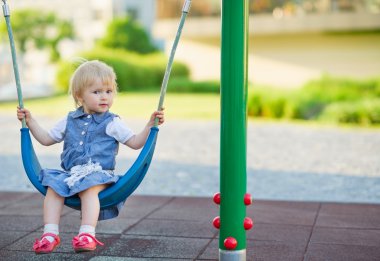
(80, 171)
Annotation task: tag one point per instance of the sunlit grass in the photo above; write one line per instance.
(131, 105)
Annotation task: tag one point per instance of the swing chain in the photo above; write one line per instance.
(6, 9)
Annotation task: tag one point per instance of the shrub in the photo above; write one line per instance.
(181, 85)
(332, 99)
(269, 102)
(133, 71)
(125, 33)
(254, 105)
(317, 94)
(364, 112)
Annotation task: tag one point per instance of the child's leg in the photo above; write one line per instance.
(53, 205)
(86, 241)
(90, 205)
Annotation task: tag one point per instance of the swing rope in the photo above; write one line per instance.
(127, 184)
(164, 85)
(7, 15)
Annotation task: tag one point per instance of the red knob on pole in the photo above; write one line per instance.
(230, 243)
(247, 199)
(248, 223)
(216, 198)
(216, 222)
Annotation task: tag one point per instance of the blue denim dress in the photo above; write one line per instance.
(88, 158)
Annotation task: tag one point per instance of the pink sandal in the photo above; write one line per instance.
(44, 246)
(82, 244)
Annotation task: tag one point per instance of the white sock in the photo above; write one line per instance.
(51, 228)
(87, 229)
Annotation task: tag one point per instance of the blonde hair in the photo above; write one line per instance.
(85, 75)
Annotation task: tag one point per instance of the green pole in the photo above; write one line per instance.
(233, 170)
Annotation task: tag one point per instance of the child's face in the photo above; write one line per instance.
(97, 97)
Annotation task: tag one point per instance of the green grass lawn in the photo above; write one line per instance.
(131, 105)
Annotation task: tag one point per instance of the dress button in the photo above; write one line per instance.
(86, 123)
(83, 132)
(88, 116)
(81, 143)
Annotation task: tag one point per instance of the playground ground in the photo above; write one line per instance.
(179, 228)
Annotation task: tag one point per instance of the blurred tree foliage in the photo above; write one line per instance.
(44, 30)
(125, 33)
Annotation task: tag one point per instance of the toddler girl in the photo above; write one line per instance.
(91, 135)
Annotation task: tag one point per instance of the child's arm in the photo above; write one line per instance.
(40, 134)
(138, 140)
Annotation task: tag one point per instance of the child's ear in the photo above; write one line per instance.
(79, 98)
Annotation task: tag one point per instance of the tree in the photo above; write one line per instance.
(44, 30)
(125, 33)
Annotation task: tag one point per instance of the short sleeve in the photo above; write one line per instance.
(57, 133)
(119, 130)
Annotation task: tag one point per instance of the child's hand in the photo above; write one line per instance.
(157, 114)
(23, 113)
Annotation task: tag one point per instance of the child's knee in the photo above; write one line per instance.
(86, 193)
(93, 191)
(50, 193)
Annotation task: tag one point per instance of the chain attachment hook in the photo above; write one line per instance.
(6, 10)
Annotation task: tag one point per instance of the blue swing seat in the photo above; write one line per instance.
(109, 197)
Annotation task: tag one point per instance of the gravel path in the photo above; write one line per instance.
(285, 161)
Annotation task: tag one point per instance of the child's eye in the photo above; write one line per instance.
(95, 92)
(109, 91)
